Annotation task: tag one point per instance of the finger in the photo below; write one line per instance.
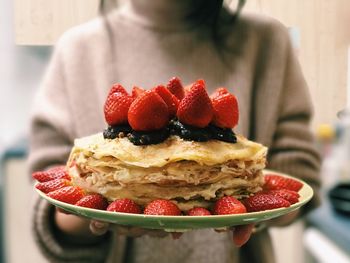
(241, 234)
(157, 233)
(136, 231)
(62, 211)
(176, 235)
(98, 228)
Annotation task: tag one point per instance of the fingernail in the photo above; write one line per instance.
(100, 224)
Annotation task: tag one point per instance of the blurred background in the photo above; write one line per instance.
(320, 32)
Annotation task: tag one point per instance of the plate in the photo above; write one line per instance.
(185, 223)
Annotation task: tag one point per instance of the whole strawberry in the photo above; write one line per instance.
(228, 205)
(225, 110)
(117, 88)
(198, 211)
(68, 194)
(169, 99)
(276, 182)
(262, 202)
(57, 172)
(49, 186)
(291, 196)
(116, 108)
(175, 87)
(195, 108)
(148, 112)
(124, 206)
(95, 201)
(162, 207)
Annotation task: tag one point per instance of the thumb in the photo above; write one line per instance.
(241, 234)
(98, 228)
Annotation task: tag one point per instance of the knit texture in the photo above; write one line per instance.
(255, 62)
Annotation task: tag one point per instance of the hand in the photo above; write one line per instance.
(284, 220)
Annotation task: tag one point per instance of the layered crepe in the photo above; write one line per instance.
(186, 172)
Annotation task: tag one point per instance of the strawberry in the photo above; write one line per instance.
(116, 108)
(124, 206)
(275, 182)
(241, 234)
(137, 91)
(225, 110)
(58, 172)
(68, 194)
(49, 186)
(218, 92)
(162, 207)
(95, 201)
(148, 112)
(198, 211)
(175, 87)
(195, 108)
(228, 205)
(262, 202)
(169, 99)
(291, 196)
(117, 88)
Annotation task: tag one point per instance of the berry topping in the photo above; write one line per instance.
(275, 182)
(148, 112)
(262, 202)
(58, 172)
(68, 194)
(291, 196)
(222, 134)
(124, 206)
(146, 138)
(95, 201)
(188, 132)
(198, 211)
(225, 110)
(195, 108)
(113, 132)
(169, 99)
(117, 88)
(47, 187)
(116, 108)
(137, 91)
(175, 87)
(228, 205)
(162, 207)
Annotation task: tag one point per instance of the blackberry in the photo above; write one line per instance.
(146, 138)
(222, 134)
(188, 132)
(113, 132)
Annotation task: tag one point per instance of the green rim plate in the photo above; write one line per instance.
(184, 223)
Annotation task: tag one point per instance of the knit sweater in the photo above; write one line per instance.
(257, 64)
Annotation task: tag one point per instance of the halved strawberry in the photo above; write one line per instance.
(198, 211)
(225, 110)
(68, 194)
(116, 108)
(169, 99)
(291, 196)
(137, 91)
(262, 202)
(57, 172)
(195, 108)
(49, 186)
(275, 182)
(124, 206)
(228, 205)
(162, 207)
(218, 92)
(148, 112)
(117, 88)
(175, 87)
(95, 201)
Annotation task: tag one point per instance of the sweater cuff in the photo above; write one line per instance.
(56, 251)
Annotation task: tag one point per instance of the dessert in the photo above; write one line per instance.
(169, 144)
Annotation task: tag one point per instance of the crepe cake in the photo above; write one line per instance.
(192, 158)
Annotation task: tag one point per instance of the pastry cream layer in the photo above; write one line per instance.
(186, 171)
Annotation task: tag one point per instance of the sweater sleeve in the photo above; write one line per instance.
(293, 148)
(51, 138)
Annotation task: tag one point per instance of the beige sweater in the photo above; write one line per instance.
(259, 68)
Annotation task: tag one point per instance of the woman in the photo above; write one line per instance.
(148, 42)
